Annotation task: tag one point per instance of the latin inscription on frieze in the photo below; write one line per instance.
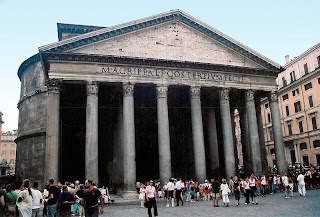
(171, 74)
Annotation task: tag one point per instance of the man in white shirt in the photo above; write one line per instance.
(285, 182)
(36, 200)
(170, 187)
(301, 185)
(178, 188)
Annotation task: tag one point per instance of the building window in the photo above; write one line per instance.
(303, 146)
(270, 133)
(12, 145)
(310, 99)
(308, 86)
(285, 97)
(5, 138)
(284, 81)
(12, 152)
(266, 105)
(4, 161)
(318, 58)
(269, 117)
(4, 145)
(314, 123)
(316, 144)
(295, 92)
(272, 151)
(4, 152)
(289, 125)
(11, 161)
(292, 76)
(300, 125)
(305, 160)
(305, 66)
(287, 110)
(297, 106)
(319, 80)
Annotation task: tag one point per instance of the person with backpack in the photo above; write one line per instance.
(206, 190)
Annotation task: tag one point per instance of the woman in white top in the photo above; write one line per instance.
(253, 184)
(25, 199)
(142, 194)
(246, 189)
(225, 190)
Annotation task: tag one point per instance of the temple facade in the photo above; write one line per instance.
(150, 98)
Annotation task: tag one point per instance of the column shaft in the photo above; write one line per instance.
(197, 135)
(163, 134)
(263, 151)
(213, 141)
(253, 133)
(91, 161)
(129, 150)
(227, 133)
(236, 159)
(247, 161)
(52, 159)
(277, 131)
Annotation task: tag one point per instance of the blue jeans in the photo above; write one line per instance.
(259, 190)
(286, 191)
(51, 209)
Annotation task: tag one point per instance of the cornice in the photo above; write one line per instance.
(31, 94)
(73, 57)
(304, 54)
(74, 28)
(31, 60)
(174, 15)
(299, 81)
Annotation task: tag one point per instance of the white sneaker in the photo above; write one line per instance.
(167, 205)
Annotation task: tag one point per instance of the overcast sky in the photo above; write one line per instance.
(273, 28)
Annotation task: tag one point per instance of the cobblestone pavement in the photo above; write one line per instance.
(272, 205)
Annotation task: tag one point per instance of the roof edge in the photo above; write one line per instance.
(27, 63)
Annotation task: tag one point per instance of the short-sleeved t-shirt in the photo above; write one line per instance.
(65, 197)
(36, 198)
(91, 197)
(12, 198)
(55, 191)
(215, 187)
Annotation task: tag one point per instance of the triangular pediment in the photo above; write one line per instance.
(173, 35)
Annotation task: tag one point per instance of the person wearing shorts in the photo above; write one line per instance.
(170, 187)
(215, 192)
(253, 193)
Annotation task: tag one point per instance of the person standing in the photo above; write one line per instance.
(90, 200)
(236, 189)
(142, 194)
(53, 197)
(79, 196)
(178, 188)
(12, 199)
(138, 186)
(253, 192)
(263, 185)
(170, 187)
(64, 203)
(36, 201)
(246, 189)
(285, 182)
(301, 184)
(25, 199)
(225, 190)
(215, 192)
(206, 190)
(151, 197)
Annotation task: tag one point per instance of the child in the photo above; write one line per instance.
(225, 190)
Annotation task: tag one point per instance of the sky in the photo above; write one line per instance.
(271, 27)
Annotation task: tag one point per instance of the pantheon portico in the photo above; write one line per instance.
(150, 98)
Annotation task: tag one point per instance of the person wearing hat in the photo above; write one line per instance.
(65, 201)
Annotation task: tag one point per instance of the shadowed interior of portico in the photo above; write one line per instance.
(73, 132)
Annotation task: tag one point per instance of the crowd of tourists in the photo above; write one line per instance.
(58, 200)
(177, 191)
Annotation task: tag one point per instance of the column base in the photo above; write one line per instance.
(130, 195)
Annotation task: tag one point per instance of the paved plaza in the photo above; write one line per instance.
(272, 205)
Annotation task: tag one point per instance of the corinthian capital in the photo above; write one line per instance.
(249, 96)
(128, 89)
(92, 88)
(162, 91)
(195, 92)
(53, 85)
(224, 93)
(273, 97)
